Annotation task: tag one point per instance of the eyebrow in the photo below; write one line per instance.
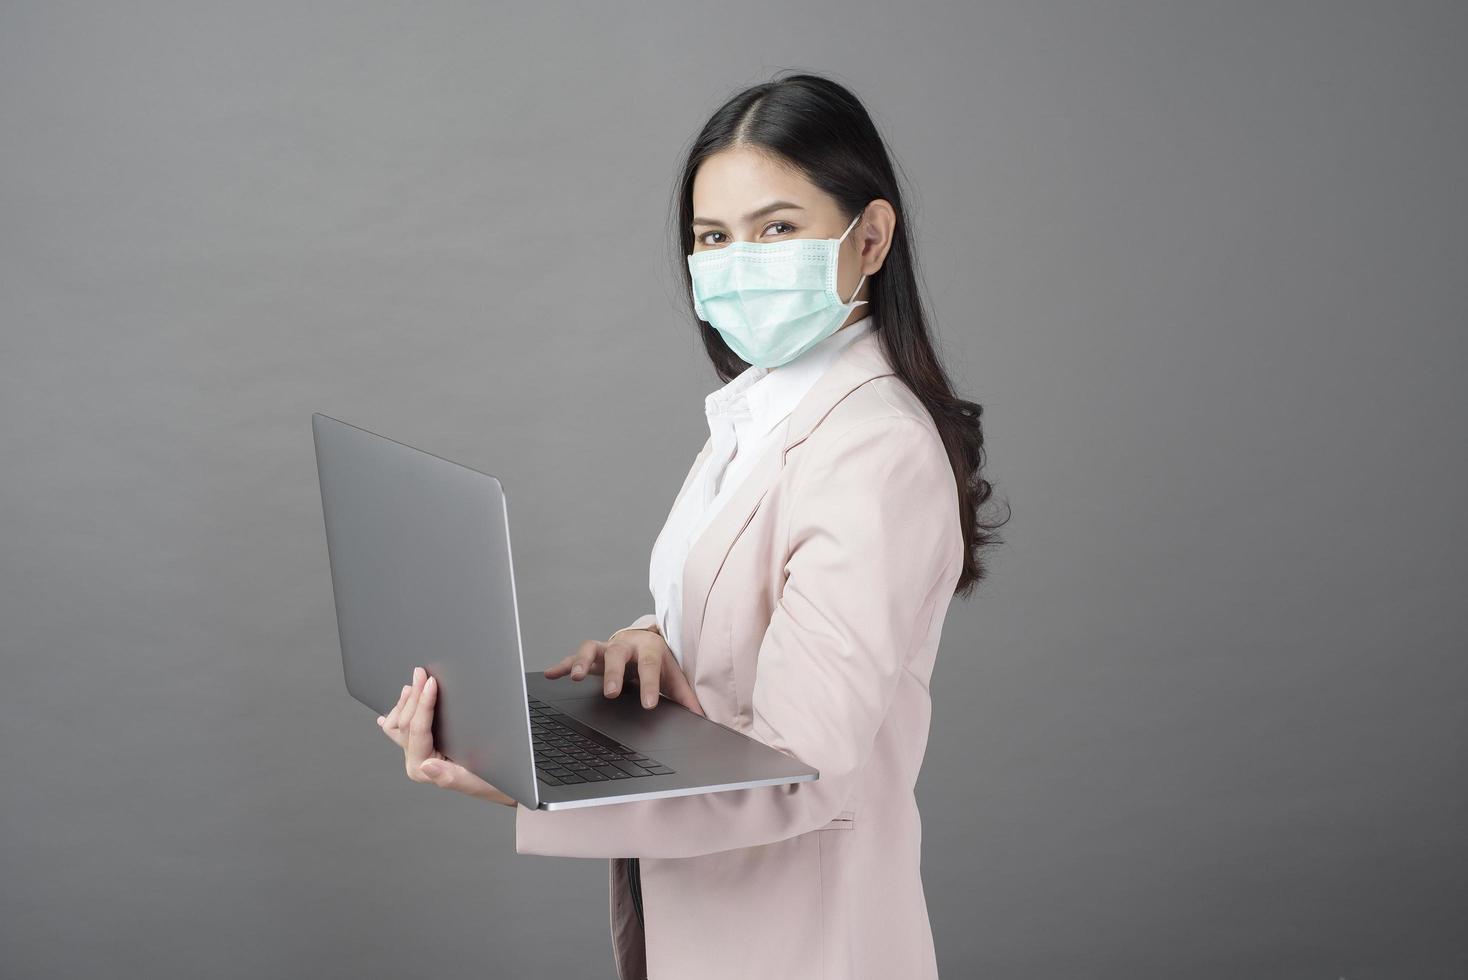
(775, 206)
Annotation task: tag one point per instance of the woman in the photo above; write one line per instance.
(802, 578)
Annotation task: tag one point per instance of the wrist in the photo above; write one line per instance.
(627, 629)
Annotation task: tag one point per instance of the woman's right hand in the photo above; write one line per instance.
(657, 669)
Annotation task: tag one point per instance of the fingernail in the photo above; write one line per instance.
(647, 700)
(578, 670)
(433, 769)
(381, 719)
(612, 688)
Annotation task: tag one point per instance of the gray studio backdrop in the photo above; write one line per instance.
(1203, 263)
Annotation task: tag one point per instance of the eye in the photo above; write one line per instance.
(785, 224)
(703, 239)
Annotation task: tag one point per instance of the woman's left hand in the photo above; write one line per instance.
(410, 725)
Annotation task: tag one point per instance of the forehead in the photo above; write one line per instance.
(733, 182)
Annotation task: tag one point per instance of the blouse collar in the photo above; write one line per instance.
(766, 396)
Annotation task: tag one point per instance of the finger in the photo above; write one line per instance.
(649, 665)
(382, 719)
(397, 709)
(562, 667)
(391, 712)
(587, 660)
(677, 686)
(614, 666)
(578, 664)
(420, 727)
(405, 717)
(393, 720)
(411, 702)
(415, 691)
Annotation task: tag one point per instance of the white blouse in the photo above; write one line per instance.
(746, 416)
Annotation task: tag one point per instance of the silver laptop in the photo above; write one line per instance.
(419, 548)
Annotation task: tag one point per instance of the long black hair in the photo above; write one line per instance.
(822, 130)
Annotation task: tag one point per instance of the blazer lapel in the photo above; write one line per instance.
(861, 361)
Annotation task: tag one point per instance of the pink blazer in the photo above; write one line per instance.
(813, 605)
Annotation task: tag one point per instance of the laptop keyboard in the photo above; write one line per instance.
(566, 751)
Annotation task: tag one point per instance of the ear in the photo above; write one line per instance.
(874, 235)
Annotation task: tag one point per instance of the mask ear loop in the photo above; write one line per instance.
(863, 275)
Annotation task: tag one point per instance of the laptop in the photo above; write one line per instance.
(419, 548)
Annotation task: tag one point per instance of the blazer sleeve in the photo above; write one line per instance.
(874, 537)
(647, 621)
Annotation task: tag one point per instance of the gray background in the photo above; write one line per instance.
(1203, 264)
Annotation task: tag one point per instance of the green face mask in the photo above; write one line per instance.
(772, 301)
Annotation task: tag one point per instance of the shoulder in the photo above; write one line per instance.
(885, 409)
(875, 476)
(879, 439)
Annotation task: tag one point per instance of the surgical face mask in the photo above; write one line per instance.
(772, 301)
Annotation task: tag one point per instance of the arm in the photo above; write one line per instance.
(873, 537)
